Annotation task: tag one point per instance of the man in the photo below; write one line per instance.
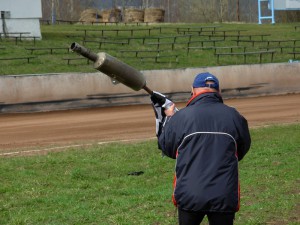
(207, 138)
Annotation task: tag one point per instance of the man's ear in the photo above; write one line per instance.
(192, 92)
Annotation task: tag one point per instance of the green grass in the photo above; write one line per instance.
(91, 185)
(56, 36)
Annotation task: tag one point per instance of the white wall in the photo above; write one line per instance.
(287, 4)
(22, 8)
(48, 92)
(24, 25)
(24, 16)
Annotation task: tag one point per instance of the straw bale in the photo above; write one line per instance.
(90, 15)
(115, 15)
(111, 15)
(133, 15)
(105, 15)
(154, 15)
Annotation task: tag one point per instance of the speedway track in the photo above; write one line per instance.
(35, 132)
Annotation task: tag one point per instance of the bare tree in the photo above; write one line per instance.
(223, 9)
(205, 9)
(251, 12)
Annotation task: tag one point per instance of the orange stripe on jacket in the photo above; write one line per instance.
(174, 185)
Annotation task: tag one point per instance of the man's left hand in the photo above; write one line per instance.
(170, 111)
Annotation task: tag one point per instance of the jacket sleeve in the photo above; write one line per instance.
(170, 137)
(243, 139)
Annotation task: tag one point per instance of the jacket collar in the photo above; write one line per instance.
(203, 94)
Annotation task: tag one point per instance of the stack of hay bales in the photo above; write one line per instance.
(133, 15)
(90, 15)
(148, 15)
(154, 15)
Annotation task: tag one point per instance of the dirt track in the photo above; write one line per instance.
(24, 132)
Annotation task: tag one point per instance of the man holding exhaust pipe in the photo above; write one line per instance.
(207, 138)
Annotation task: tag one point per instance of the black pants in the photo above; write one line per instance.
(195, 218)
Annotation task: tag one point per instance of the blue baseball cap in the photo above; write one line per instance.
(202, 78)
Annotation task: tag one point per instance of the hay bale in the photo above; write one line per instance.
(111, 15)
(154, 15)
(133, 15)
(90, 15)
(115, 15)
(105, 15)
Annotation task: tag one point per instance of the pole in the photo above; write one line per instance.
(259, 12)
(238, 10)
(53, 13)
(272, 10)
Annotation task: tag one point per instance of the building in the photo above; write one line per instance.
(21, 16)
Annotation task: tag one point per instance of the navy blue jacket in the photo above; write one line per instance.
(207, 138)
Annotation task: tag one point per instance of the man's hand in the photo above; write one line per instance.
(170, 111)
(158, 98)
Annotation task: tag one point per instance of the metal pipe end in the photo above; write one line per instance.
(73, 46)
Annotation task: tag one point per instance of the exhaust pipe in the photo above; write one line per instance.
(114, 68)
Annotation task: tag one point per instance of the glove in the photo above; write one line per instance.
(158, 100)
(159, 104)
(161, 100)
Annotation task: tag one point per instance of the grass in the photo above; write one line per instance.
(92, 185)
(56, 36)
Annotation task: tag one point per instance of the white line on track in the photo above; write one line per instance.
(62, 148)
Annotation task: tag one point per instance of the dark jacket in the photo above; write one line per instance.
(207, 138)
